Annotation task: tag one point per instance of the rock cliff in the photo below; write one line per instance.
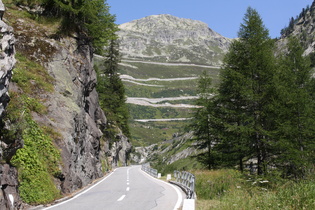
(73, 107)
(9, 197)
(73, 110)
(303, 27)
(166, 38)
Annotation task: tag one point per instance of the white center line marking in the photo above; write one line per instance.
(127, 189)
(121, 198)
(127, 183)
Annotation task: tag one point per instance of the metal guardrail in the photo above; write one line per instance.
(151, 171)
(187, 181)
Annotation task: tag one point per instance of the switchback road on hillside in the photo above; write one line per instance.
(126, 188)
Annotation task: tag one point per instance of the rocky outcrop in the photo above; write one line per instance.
(165, 38)
(120, 150)
(303, 27)
(9, 197)
(7, 61)
(73, 110)
(168, 153)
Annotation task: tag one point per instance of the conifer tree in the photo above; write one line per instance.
(203, 120)
(112, 91)
(90, 18)
(295, 112)
(246, 90)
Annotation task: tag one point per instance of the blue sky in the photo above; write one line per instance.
(223, 16)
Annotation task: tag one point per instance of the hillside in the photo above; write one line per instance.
(52, 142)
(302, 26)
(162, 58)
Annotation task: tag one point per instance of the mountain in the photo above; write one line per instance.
(303, 27)
(166, 38)
(162, 58)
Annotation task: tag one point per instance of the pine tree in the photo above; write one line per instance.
(246, 90)
(90, 18)
(112, 91)
(295, 112)
(203, 120)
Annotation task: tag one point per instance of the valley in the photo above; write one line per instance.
(163, 94)
(160, 69)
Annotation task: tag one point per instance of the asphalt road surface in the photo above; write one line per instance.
(126, 188)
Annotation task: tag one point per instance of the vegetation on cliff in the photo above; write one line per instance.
(39, 160)
(90, 18)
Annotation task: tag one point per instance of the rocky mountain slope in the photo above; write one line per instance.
(162, 58)
(303, 27)
(166, 38)
(71, 114)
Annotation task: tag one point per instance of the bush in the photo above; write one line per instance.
(37, 161)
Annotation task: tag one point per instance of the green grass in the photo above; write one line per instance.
(185, 164)
(229, 189)
(31, 77)
(133, 90)
(147, 112)
(145, 71)
(148, 133)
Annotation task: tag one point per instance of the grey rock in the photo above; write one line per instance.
(149, 153)
(76, 114)
(120, 150)
(7, 62)
(166, 38)
(9, 197)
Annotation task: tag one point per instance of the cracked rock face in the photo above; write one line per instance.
(74, 111)
(9, 197)
(7, 61)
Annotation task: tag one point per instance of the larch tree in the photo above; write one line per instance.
(112, 92)
(203, 121)
(294, 111)
(246, 90)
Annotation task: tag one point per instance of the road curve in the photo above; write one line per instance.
(125, 188)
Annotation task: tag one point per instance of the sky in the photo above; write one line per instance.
(222, 16)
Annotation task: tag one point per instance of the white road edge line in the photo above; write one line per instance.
(85, 191)
(121, 198)
(180, 197)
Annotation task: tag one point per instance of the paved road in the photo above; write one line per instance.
(126, 188)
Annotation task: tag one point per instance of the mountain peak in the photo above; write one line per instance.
(167, 38)
(163, 21)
